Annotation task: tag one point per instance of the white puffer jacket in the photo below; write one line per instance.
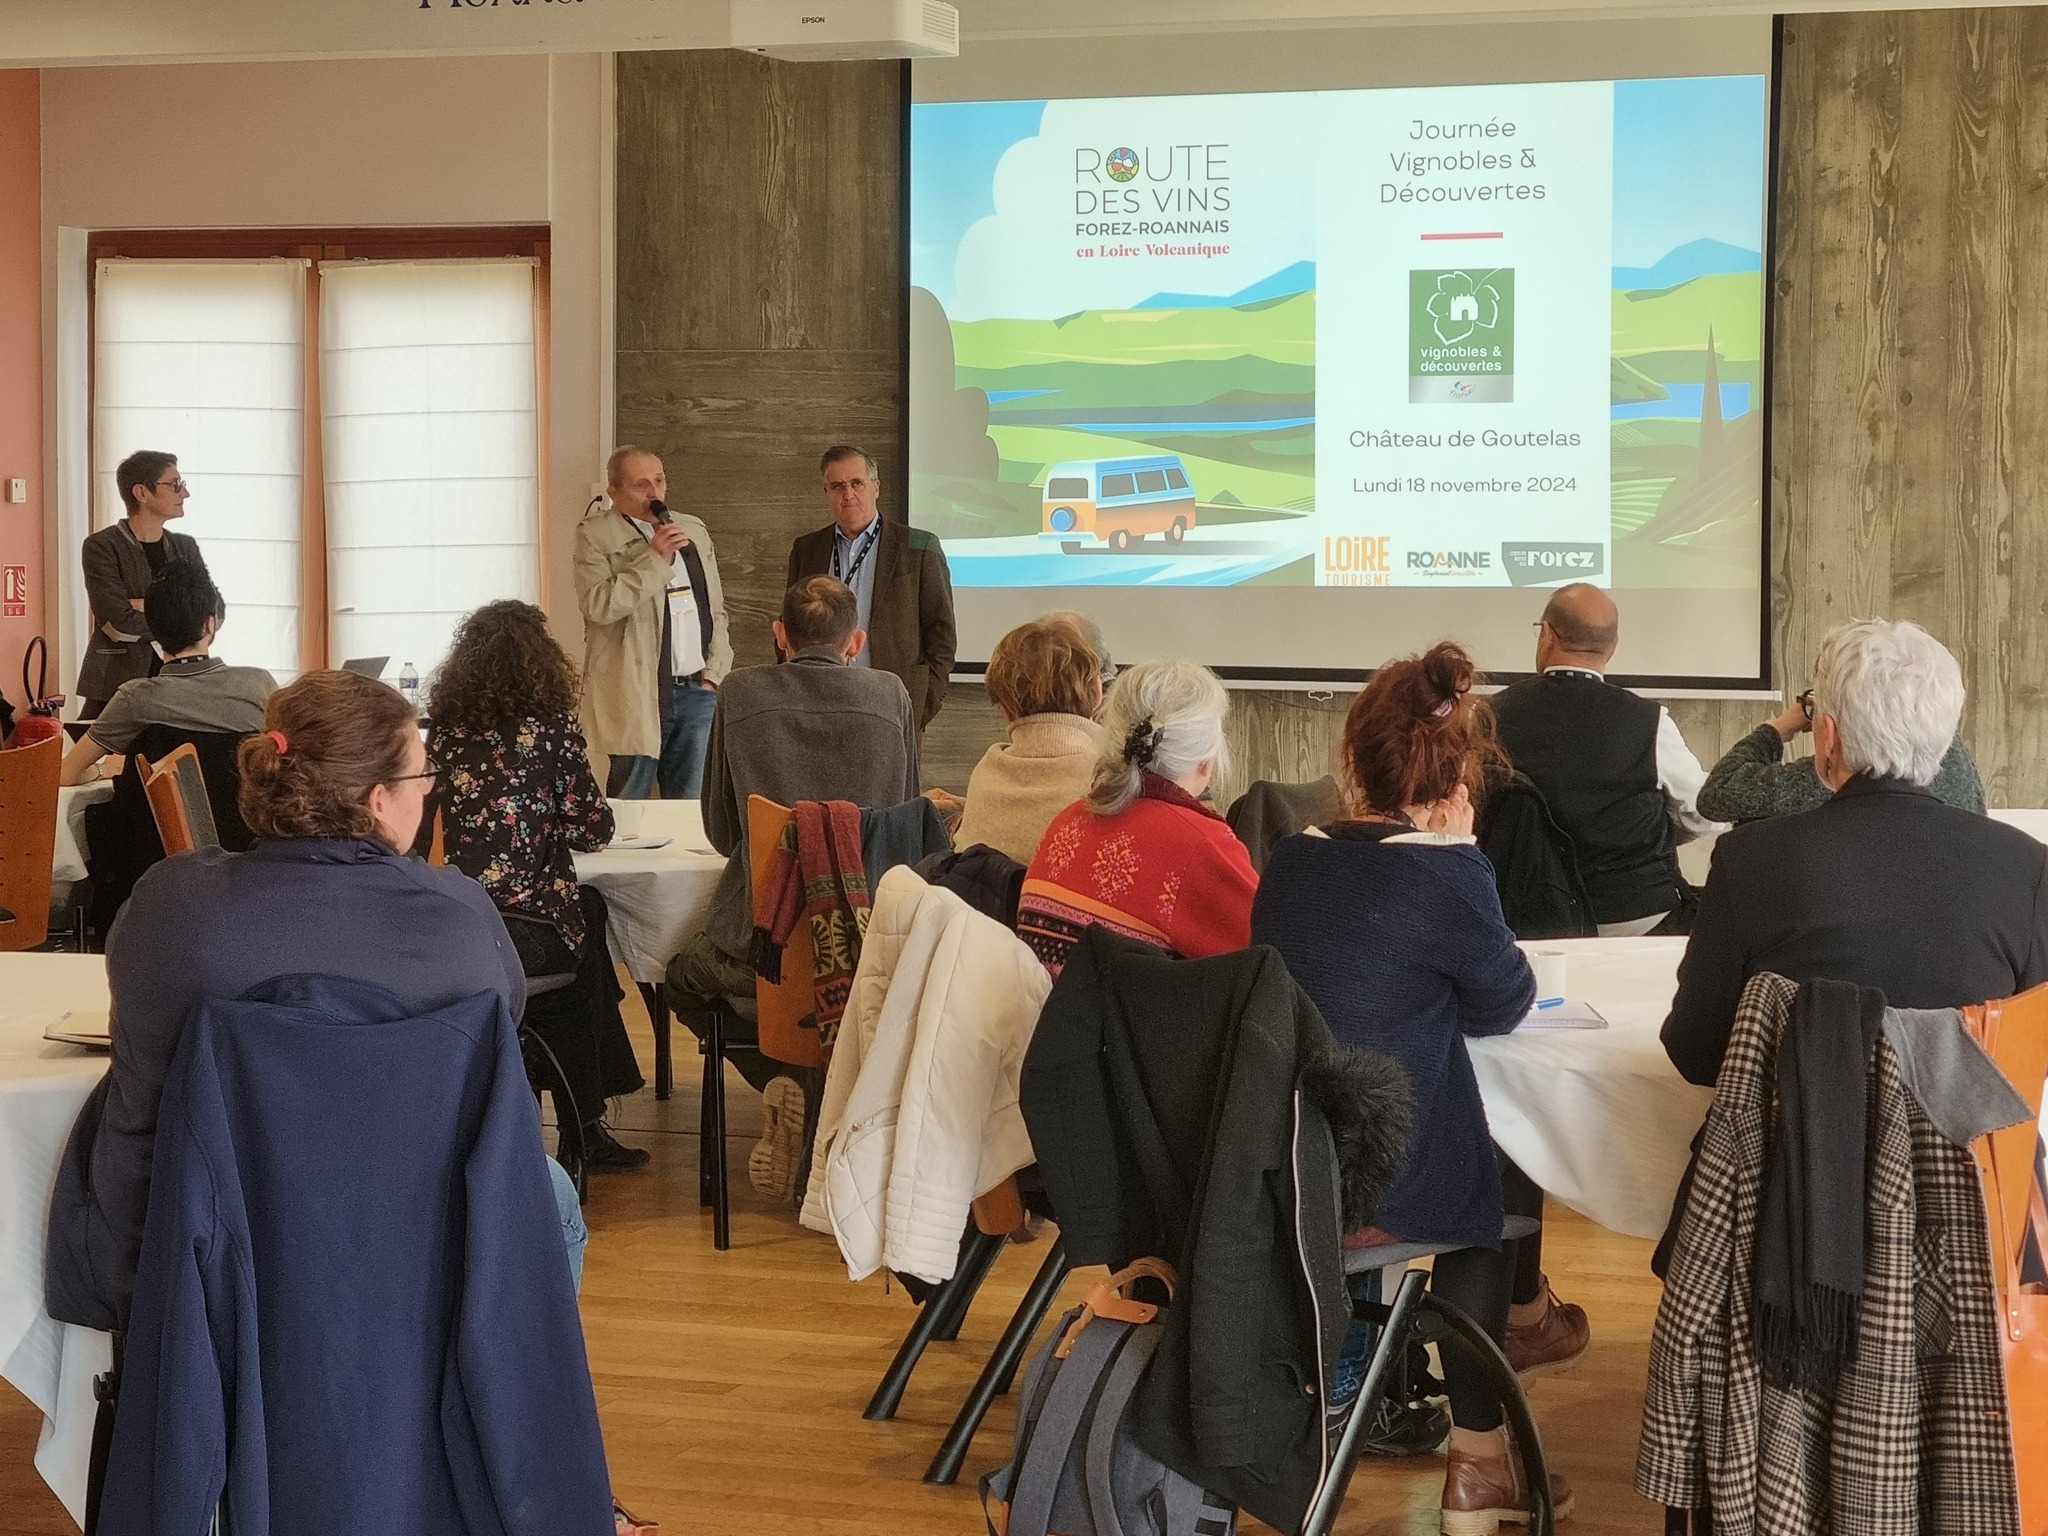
(920, 1107)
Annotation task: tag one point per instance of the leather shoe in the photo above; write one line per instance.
(605, 1153)
(1484, 1491)
(1557, 1341)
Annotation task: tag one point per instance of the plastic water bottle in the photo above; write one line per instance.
(409, 685)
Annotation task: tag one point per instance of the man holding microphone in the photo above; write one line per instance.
(655, 640)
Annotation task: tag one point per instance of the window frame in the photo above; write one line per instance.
(313, 246)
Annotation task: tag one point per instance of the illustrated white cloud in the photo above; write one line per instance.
(1021, 261)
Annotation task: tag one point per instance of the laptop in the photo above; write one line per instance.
(369, 666)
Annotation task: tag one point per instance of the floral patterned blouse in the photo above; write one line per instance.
(515, 806)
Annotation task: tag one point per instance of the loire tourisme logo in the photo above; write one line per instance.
(1122, 164)
(1461, 336)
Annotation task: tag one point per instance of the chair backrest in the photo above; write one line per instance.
(176, 787)
(28, 840)
(1270, 810)
(2015, 1033)
(784, 1004)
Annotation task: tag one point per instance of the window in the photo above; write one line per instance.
(203, 359)
(1151, 482)
(360, 415)
(1075, 486)
(1176, 479)
(1117, 485)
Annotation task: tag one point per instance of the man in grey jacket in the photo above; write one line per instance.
(815, 728)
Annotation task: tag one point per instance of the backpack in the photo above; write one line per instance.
(1074, 1469)
(1535, 867)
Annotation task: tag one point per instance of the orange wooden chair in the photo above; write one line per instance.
(28, 840)
(176, 786)
(2015, 1033)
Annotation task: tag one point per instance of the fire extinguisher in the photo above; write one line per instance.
(41, 722)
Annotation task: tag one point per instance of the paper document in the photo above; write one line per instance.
(641, 843)
(87, 1029)
(1569, 1014)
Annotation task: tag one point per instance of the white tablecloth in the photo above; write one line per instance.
(68, 865)
(2032, 822)
(1599, 1117)
(41, 1088)
(658, 896)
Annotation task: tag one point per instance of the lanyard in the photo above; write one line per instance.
(867, 542)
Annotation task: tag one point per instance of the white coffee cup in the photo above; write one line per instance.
(626, 818)
(1550, 966)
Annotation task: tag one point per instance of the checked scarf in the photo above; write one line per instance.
(817, 876)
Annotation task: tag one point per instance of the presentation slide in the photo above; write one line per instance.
(1280, 347)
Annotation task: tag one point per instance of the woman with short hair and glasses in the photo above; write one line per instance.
(119, 561)
(333, 789)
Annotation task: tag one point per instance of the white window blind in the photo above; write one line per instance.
(430, 438)
(205, 359)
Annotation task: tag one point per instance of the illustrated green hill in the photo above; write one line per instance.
(1282, 331)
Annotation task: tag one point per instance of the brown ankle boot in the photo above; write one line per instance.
(1485, 1490)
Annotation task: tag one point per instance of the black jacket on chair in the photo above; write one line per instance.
(1883, 886)
(1542, 894)
(1199, 1111)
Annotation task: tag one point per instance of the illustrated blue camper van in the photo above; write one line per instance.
(1092, 502)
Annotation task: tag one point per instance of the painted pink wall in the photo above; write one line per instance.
(21, 360)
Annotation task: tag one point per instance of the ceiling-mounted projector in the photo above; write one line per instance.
(811, 30)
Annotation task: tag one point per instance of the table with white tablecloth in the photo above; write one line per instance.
(67, 866)
(658, 897)
(42, 1085)
(1599, 1117)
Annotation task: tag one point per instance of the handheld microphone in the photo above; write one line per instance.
(660, 510)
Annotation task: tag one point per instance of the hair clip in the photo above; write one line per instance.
(277, 740)
(1446, 707)
(1142, 745)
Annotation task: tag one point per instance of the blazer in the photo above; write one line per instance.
(1883, 886)
(116, 569)
(619, 587)
(910, 630)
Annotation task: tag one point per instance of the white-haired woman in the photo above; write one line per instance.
(1141, 852)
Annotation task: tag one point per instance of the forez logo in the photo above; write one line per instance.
(1450, 562)
(1532, 565)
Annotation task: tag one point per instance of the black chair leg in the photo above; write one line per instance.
(931, 1317)
(658, 1016)
(982, 1254)
(1001, 1370)
(566, 1133)
(1688, 1522)
(1458, 1324)
(1392, 1345)
(711, 1155)
(106, 1389)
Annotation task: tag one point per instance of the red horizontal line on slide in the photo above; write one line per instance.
(1475, 234)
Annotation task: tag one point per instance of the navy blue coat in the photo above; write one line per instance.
(353, 1309)
(213, 924)
(1403, 949)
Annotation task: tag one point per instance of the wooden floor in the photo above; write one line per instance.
(731, 1384)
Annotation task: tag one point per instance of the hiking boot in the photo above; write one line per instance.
(1556, 1341)
(772, 1166)
(605, 1153)
(1487, 1490)
(1405, 1429)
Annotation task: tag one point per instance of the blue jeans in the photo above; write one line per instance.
(685, 734)
(575, 1236)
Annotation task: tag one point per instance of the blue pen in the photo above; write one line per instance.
(1550, 1002)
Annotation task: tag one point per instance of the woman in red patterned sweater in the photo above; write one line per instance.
(1141, 853)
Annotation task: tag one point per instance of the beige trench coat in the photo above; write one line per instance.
(619, 586)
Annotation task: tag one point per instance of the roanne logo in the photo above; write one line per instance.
(1450, 562)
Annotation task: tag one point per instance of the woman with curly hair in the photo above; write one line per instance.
(517, 801)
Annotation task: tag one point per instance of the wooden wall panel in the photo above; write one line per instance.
(758, 315)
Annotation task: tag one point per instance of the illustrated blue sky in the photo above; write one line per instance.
(1688, 165)
(954, 148)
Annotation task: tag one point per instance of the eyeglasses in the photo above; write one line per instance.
(432, 772)
(169, 485)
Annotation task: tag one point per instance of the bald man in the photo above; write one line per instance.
(1620, 780)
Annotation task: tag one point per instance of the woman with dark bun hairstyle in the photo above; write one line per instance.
(1390, 921)
(332, 789)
